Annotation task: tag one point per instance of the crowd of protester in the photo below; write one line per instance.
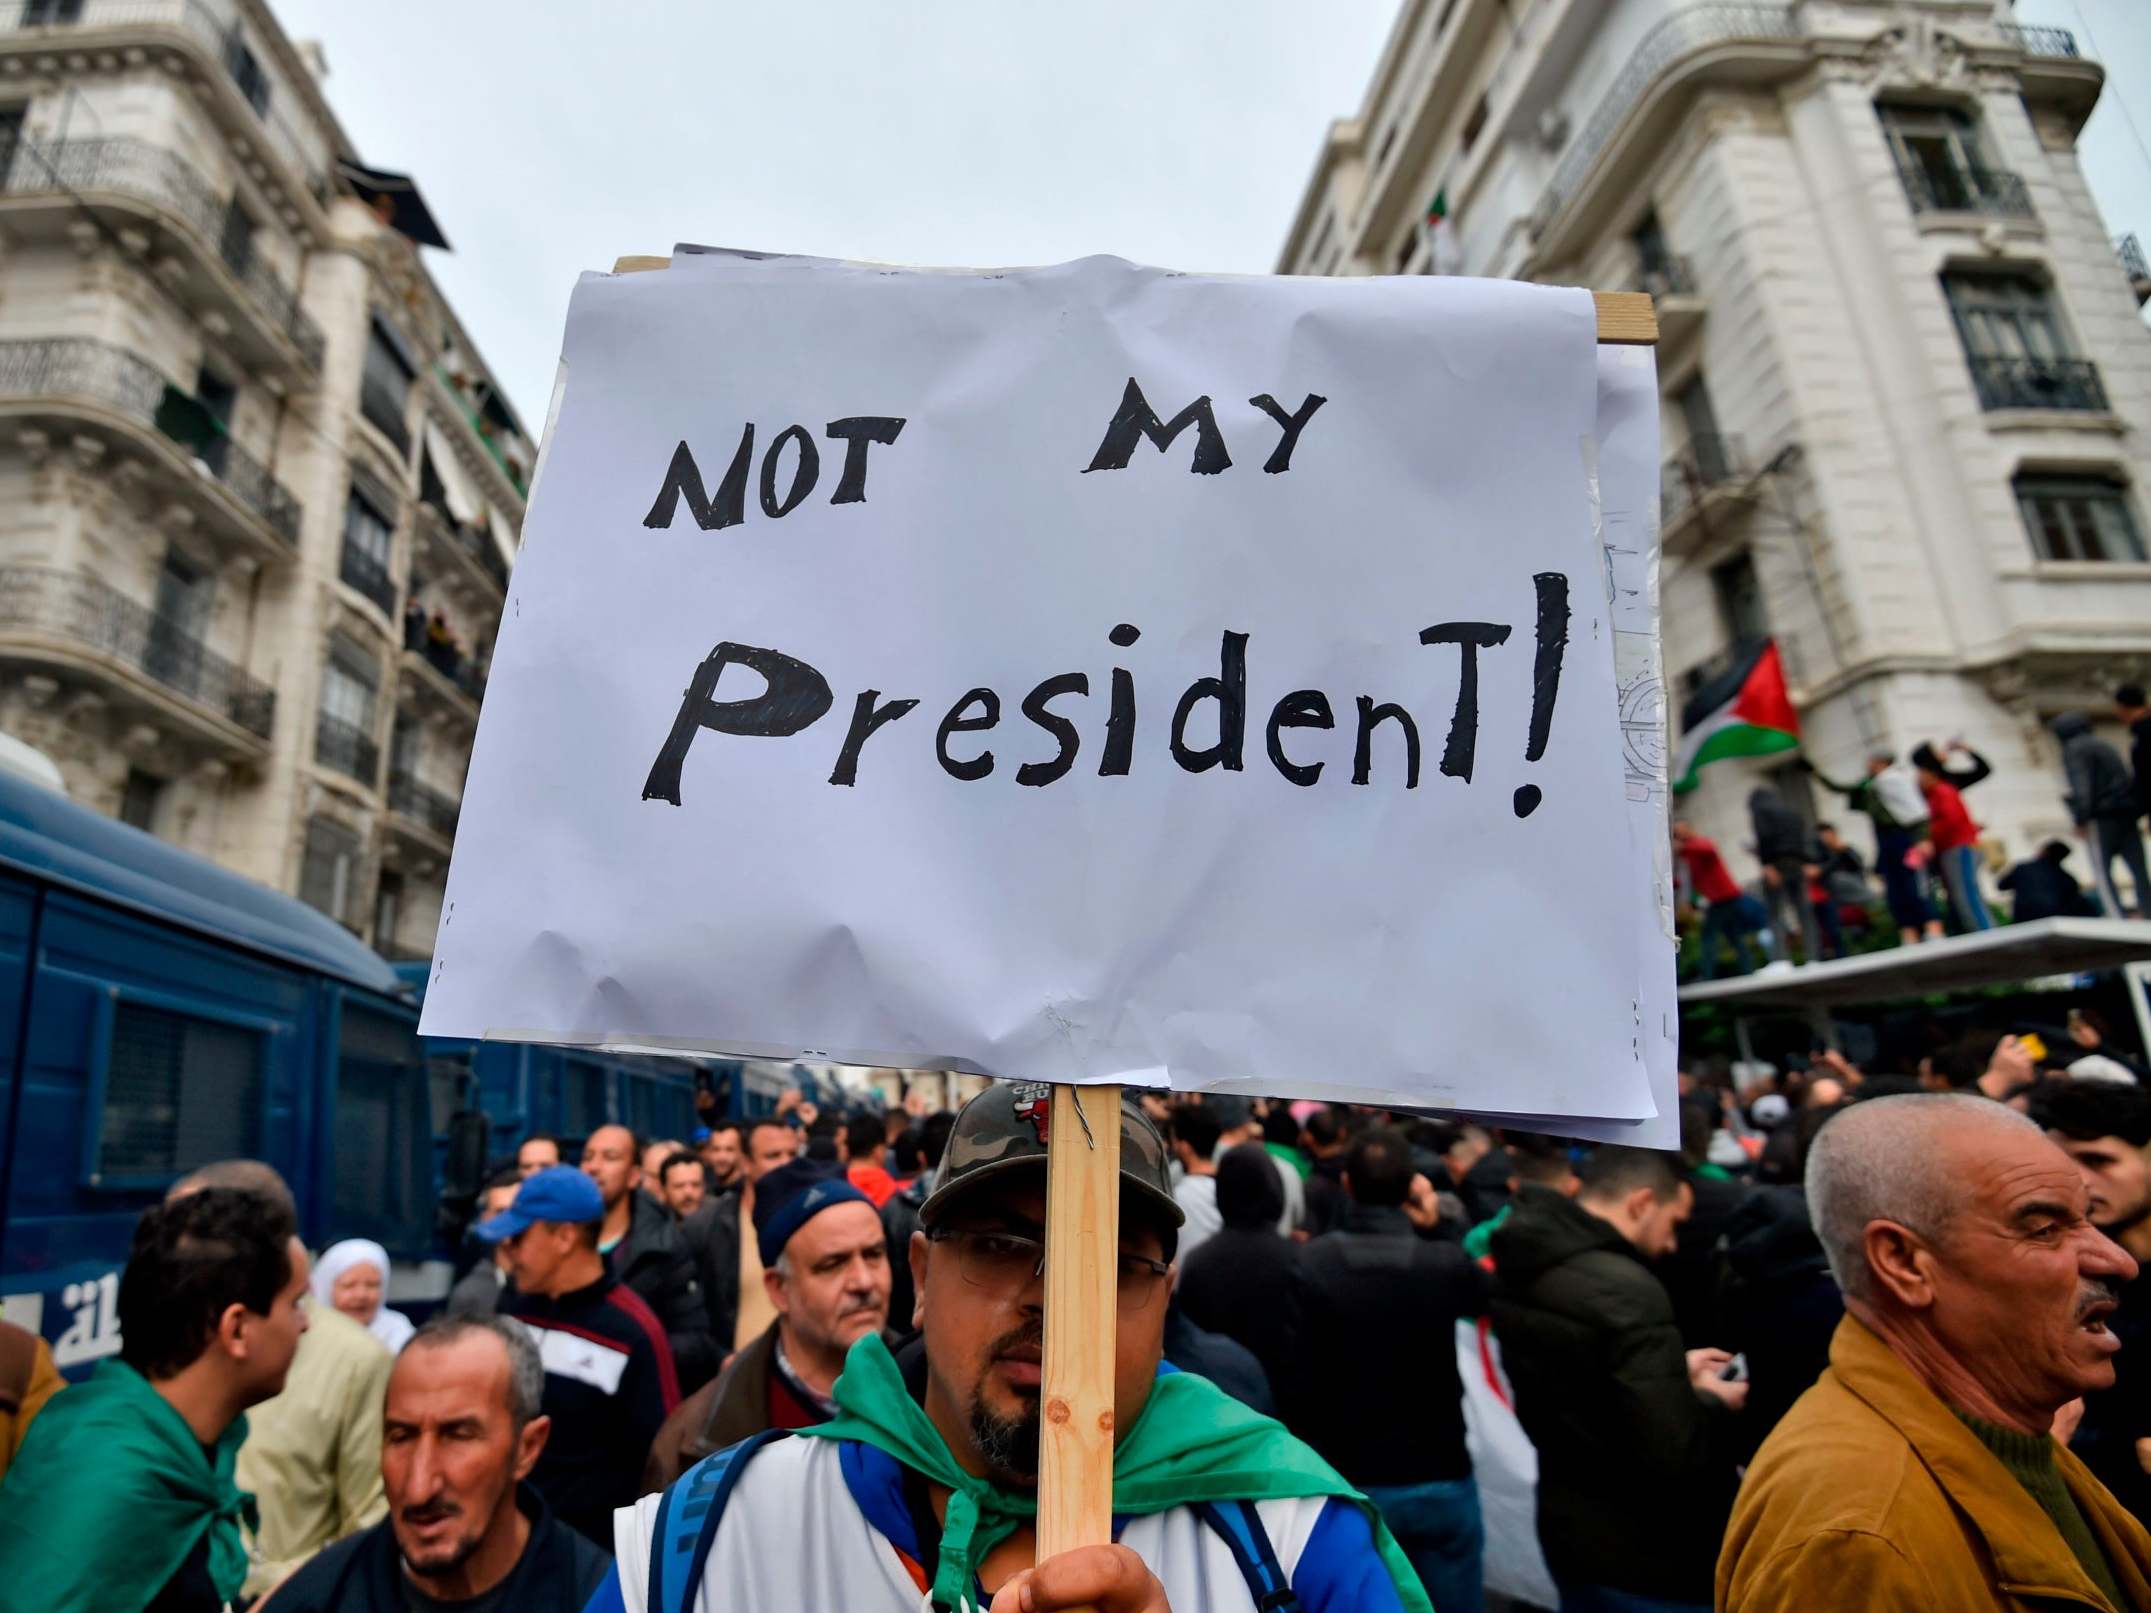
(1815, 897)
(1852, 1345)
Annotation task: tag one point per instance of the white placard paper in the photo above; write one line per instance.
(1019, 672)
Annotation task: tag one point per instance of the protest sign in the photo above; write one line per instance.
(1084, 674)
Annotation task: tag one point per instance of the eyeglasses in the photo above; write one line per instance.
(1005, 1263)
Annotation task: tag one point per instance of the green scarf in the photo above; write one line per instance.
(1192, 1442)
(108, 1496)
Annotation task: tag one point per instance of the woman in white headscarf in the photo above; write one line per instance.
(351, 1277)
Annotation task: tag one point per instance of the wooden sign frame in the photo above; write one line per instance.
(1076, 1432)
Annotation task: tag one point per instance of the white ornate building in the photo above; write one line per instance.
(246, 452)
(1907, 388)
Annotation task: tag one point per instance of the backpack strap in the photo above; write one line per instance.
(687, 1520)
(1239, 1525)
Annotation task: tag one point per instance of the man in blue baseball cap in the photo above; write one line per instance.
(609, 1379)
(825, 1266)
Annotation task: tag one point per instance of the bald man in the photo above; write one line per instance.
(643, 1248)
(1920, 1470)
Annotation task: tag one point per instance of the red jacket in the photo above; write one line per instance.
(1949, 825)
(1707, 872)
(876, 1183)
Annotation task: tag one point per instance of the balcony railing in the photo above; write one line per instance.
(95, 616)
(278, 300)
(1711, 460)
(363, 572)
(1665, 275)
(1967, 190)
(111, 377)
(166, 181)
(216, 32)
(2040, 41)
(2133, 262)
(1675, 37)
(422, 803)
(350, 750)
(2037, 383)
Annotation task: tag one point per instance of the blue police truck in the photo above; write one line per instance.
(158, 1012)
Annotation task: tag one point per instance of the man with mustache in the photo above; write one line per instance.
(924, 1486)
(461, 1432)
(825, 1265)
(1920, 1470)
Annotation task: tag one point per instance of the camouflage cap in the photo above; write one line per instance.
(1003, 1130)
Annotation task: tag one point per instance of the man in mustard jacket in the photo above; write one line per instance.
(1920, 1470)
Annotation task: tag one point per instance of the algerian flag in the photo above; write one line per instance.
(1442, 245)
(1744, 711)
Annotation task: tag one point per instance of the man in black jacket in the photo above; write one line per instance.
(462, 1431)
(643, 1248)
(1377, 1307)
(1781, 845)
(1633, 1432)
(2102, 799)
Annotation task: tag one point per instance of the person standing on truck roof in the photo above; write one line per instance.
(643, 1247)
(124, 1497)
(1890, 796)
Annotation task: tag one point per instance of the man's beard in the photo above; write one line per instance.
(1008, 1445)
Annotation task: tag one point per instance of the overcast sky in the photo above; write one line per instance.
(551, 138)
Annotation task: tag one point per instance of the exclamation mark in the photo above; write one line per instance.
(1545, 676)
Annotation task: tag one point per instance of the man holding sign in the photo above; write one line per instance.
(926, 1481)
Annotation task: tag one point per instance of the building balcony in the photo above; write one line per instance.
(2038, 383)
(2057, 42)
(95, 391)
(1989, 192)
(1670, 283)
(347, 749)
(430, 812)
(479, 427)
(1701, 482)
(460, 557)
(361, 571)
(2052, 72)
(442, 683)
(206, 46)
(152, 200)
(66, 624)
(1734, 42)
(2134, 264)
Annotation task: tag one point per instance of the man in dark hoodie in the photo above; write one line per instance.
(2043, 889)
(1634, 1433)
(2102, 800)
(1781, 845)
(1239, 1282)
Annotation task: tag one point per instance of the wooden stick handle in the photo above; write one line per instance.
(1075, 1447)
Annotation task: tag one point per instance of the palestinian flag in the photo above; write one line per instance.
(1744, 711)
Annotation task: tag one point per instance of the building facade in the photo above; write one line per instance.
(1906, 381)
(258, 494)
